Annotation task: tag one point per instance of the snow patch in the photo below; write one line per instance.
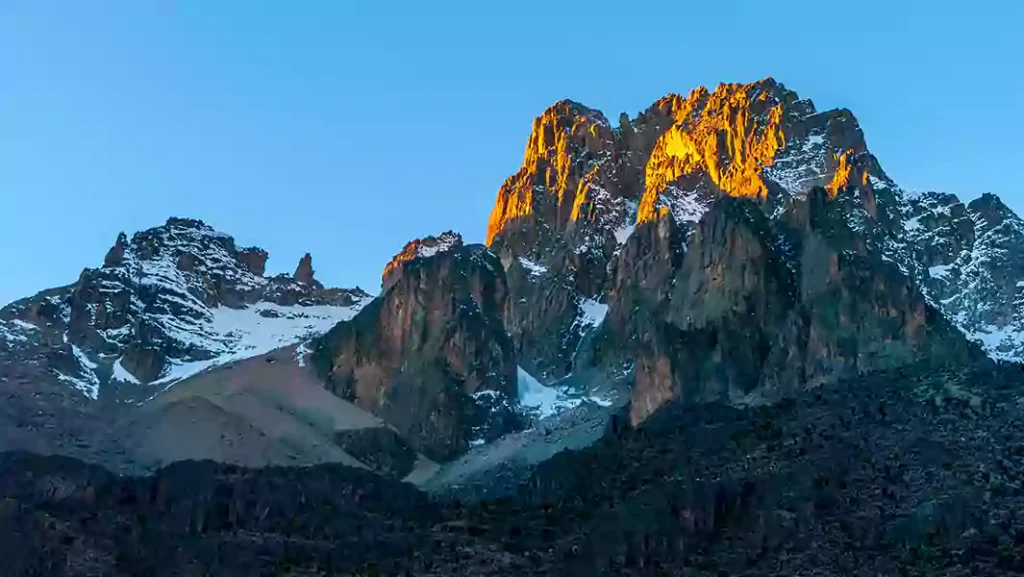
(592, 313)
(80, 356)
(939, 271)
(623, 234)
(121, 374)
(301, 351)
(544, 401)
(685, 205)
(88, 386)
(24, 325)
(1001, 343)
(86, 382)
(115, 335)
(534, 268)
(180, 370)
(801, 165)
(237, 334)
(877, 182)
(444, 243)
(14, 331)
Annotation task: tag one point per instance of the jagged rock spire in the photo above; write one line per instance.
(115, 256)
(304, 272)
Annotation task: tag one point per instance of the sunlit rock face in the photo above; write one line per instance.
(418, 248)
(569, 160)
(554, 226)
(758, 141)
(726, 137)
(430, 355)
(579, 221)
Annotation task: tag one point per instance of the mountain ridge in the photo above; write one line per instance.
(733, 245)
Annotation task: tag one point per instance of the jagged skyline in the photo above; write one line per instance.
(276, 128)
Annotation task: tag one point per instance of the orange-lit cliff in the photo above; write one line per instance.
(584, 187)
(417, 248)
(570, 157)
(756, 140)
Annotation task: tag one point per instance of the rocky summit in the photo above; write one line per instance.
(167, 303)
(585, 188)
(712, 338)
(700, 220)
(972, 266)
(431, 355)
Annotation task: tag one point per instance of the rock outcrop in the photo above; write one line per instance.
(431, 355)
(304, 272)
(972, 266)
(418, 248)
(762, 309)
(562, 223)
(169, 302)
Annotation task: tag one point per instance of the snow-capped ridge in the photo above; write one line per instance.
(974, 257)
(170, 301)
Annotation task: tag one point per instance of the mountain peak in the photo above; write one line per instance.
(568, 109)
(555, 128)
(584, 188)
(755, 140)
(991, 208)
(419, 248)
(173, 300)
(430, 355)
(567, 139)
(758, 140)
(189, 223)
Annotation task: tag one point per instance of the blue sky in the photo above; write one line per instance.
(346, 129)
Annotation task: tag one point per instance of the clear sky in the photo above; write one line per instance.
(347, 128)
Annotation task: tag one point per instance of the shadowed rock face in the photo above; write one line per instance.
(418, 248)
(380, 448)
(154, 305)
(972, 266)
(430, 355)
(761, 309)
(553, 221)
(304, 272)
